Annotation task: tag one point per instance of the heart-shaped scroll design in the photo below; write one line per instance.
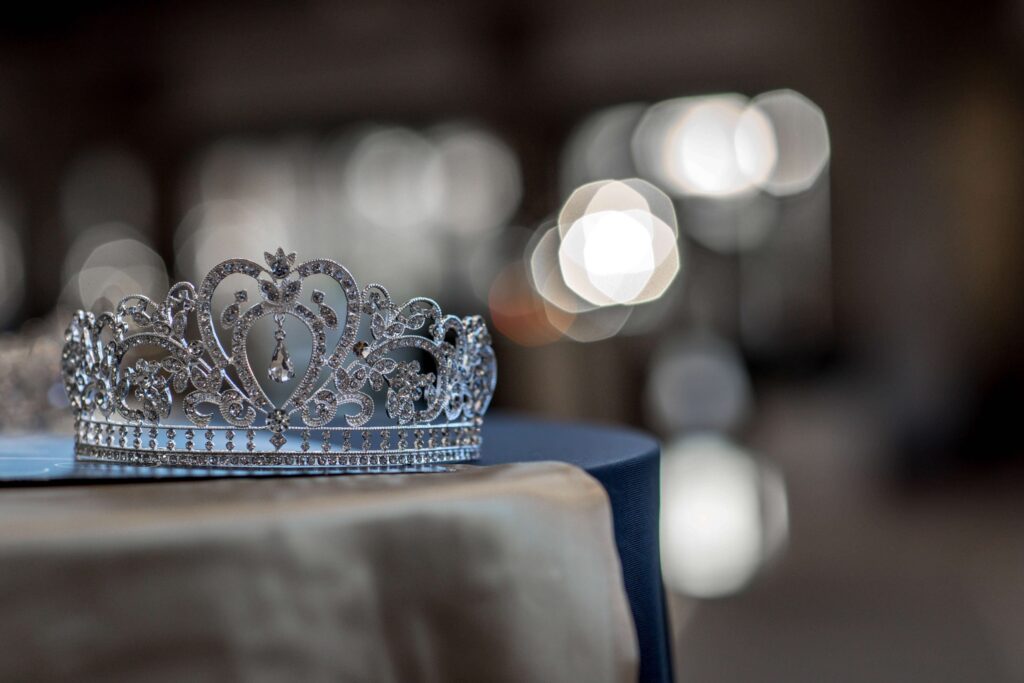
(100, 377)
(279, 284)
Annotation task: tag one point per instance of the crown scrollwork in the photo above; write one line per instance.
(186, 361)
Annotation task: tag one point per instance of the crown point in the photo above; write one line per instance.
(280, 263)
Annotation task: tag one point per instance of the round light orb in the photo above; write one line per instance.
(617, 252)
(706, 146)
(217, 230)
(247, 171)
(516, 310)
(395, 180)
(630, 194)
(546, 275)
(755, 145)
(482, 183)
(109, 262)
(614, 249)
(719, 520)
(697, 383)
(801, 138)
(611, 257)
(585, 321)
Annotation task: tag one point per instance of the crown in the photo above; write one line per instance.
(172, 383)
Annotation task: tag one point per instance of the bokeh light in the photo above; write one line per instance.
(592, 326)
(107, 263)
(801, 138)
(708, 146)
(546, 275)
(395, 179)
(618, 242)
(217, 230)
(697, 383)
(573, 316)
(724, 515)
(517, 311)
(482, 183)
(616, 251)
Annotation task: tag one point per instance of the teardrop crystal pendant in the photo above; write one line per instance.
(281, 367)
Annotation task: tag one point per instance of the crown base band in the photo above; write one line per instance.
(286, 460)
(226, 447)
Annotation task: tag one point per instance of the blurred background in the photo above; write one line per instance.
(806, 279)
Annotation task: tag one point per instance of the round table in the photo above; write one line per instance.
(625, 462)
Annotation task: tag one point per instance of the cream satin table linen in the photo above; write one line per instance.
(504, 573)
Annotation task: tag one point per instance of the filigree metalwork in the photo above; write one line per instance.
(212, 380)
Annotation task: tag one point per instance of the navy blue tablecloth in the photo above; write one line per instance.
(625, 462)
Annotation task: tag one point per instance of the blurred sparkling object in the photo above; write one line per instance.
(724, 515)
(697, 383)
(109, 262)
(618, 242)
(711, 146)
(104, 186)
(395, 179)
(30, 381)
(482, 184)
(600, 147)
(801, 138)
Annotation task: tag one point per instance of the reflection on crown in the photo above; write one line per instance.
(125, 372)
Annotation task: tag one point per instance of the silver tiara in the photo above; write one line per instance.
(157, 383)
